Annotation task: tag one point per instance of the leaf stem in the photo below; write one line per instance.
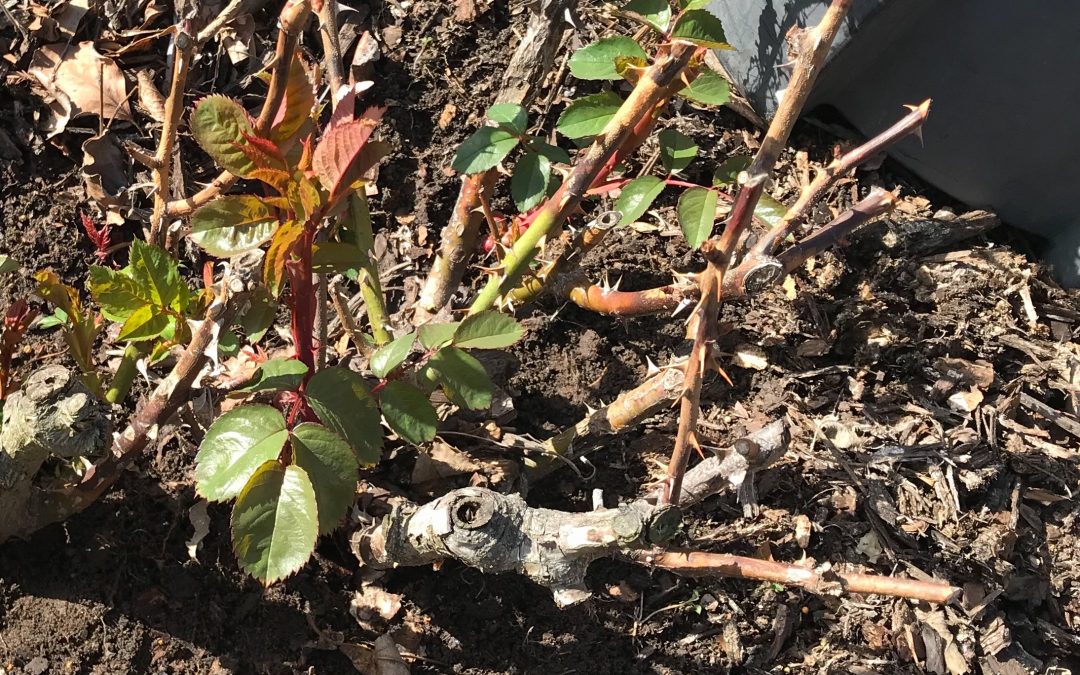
(125, 374)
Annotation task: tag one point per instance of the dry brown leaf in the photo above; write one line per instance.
(77, 80)
(465, 11)
(105, 172)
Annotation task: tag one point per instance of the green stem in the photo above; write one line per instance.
(125, 374)
(363, 237)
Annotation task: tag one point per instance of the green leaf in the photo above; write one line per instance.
(336, 257)
(676, 150)
(145, 323)
(530, 180)
(434, 335)
(234, 447)
(464, 379)
(483, 150)
(708, 88)
(390, 355)
(155, 270)
(219, 124)
(259, 315)
(588, 115)
(657, 13)
(769, 210)
(700, 27)
(117, 293)
(697, 212)
(552, 152)
(408, 412)
(275, 522)
(597, 61)
(228, 344)
(343, 402)
(509, 115)
(233, 225)
(277, 375)
(8, 264)
(331, 465)
(637, 196)
(487, 330)
(728, 171)
(694, 4)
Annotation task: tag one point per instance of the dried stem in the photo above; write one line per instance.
(810, 48)
(812, 193)
(821, 581)
(652, 90)
(174, 106)
(292, 20)
(877, 203)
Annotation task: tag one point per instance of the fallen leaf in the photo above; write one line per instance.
(77, 80)
(751, 356)
(465, 11)
(105, 172)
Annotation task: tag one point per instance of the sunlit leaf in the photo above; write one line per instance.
(700, 27)
(637, 196)
(145, 323)
(530, 180)
(154, 269)
(277, 375)
(487, 330)
(728, 171)
(259, 315)
(676, 150)
(509, 115)
(769, 210)
(390, 355)
(263, 153)
(657, 13)
(219, 124)
(281, 248)
(343, 402)
(233, 225)
(335, 257)
(8, 264)
(432, 335)
(234, 446)
(697, 212)
(464, 379)
(483, 150)
(115, 292)
(552, 152)
(587, 116)
(708, 88)
(408, 412)
(339, 157)
(297, 103)
(331, 465)
(597, 61)
(275, 522)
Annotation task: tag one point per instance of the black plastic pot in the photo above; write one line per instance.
(1003, 132)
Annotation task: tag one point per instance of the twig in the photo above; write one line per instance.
(292, 20)
(174, 106)
(820, 581)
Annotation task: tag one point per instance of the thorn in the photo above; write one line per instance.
(692, 439)
(617, 282)
(651, 368)
(724, 375)
(683, 304)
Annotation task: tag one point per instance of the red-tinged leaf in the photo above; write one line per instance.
(297, 103)
(345, 109)
(340, 147)
(263, 153)
(219, 124)
(233, 225)
(304, 197)
(275, 178)
(304, 164)
(281, 247)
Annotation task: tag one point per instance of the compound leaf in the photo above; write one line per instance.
(483, 150)
(637, 196)
(408, 412)
(234, 447)
(277, 375)
(331, 465)
(232, 225)
(487, 330)
(597, 61)
(697, 213)
(463, 378)
(587, 116)
(275, 522)
(343, 402)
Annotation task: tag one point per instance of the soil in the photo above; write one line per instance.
(890, 466)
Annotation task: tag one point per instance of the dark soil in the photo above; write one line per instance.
(890, 477)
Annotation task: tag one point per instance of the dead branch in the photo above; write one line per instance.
(823, 580)
(162, 162)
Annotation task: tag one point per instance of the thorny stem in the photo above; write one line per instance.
(909, 124)
(821, 581)
(811, 47)
(292, 19)
(531, 60)
(652, 88)
(877, 203)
